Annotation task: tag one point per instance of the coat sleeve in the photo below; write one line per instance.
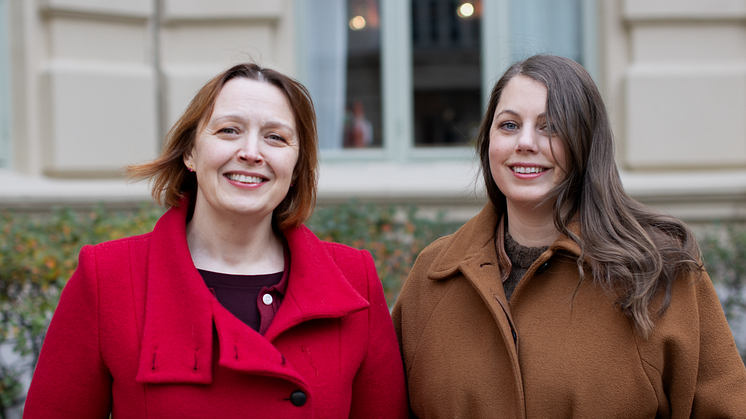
(70, 379)
(379, 389)
(720, 390)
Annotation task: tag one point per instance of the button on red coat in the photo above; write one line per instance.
(298, 398)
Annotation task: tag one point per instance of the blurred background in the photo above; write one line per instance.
(88, 86)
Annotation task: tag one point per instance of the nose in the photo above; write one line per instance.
(527, 140)
(250, 152)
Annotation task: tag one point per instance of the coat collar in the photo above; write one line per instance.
(475, 243)
(177, 339)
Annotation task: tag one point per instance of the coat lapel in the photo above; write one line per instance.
(177, 339)
(177, 336)
(472, 252)
(317, 288)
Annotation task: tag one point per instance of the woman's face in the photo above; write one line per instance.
(245, 153)
(521, 159)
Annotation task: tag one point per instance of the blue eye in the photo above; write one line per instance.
(509, 125)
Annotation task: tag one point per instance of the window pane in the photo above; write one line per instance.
(446, 46)
(363, 125)
(342, 46)
(551, 26)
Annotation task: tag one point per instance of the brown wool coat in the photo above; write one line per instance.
(468, 353)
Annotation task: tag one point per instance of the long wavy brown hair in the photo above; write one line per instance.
(628, 248)
(170, 179)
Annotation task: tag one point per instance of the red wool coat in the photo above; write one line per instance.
(138, 333)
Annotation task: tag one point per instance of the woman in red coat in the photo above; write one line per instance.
(230, 307)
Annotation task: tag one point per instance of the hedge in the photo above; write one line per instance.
(38, 253)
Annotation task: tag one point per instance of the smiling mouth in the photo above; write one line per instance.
(244, 179)
(528, 170)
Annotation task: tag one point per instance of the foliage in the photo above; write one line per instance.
(38, 253)
(724, 254)
(393, 234)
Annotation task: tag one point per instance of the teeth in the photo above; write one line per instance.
(244, 178)
(524, 170)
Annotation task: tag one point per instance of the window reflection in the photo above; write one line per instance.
(342, 49)
(446, 47)
(362, 120)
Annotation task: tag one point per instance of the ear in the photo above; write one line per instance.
(188, 159)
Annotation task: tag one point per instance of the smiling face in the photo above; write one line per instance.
(245, 154)
(520, 150)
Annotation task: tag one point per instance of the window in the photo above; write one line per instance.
(402, 80)
(5, 107)
(446, 72)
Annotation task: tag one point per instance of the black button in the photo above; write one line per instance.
(298, 398)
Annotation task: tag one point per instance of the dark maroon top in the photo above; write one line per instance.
(253, 299)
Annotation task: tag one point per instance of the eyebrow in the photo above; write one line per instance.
(510, 111)
(514, 113)
(272, 123)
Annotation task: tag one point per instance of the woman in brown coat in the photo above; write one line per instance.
(563, 297)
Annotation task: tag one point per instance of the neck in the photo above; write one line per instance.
(233, 245)
(532, 227)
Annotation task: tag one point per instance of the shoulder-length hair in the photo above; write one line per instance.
(628, 248)
(171, 180)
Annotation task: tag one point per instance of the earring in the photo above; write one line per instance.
(292, 184)
(190, 168)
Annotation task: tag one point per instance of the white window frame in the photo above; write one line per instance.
(397, 84)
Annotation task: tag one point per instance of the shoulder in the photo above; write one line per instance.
(420, 293)
(438, 267)
(341, 251)
(110, 257)
(431, 251)
(126, 242)
(357, 265)
(118, 247)
(303, 239)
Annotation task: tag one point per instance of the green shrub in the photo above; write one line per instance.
(393, 234)
(724, 255)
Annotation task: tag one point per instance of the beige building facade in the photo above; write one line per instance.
(88, 86)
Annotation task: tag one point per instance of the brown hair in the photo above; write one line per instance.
(171, 180)
(627, 247)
